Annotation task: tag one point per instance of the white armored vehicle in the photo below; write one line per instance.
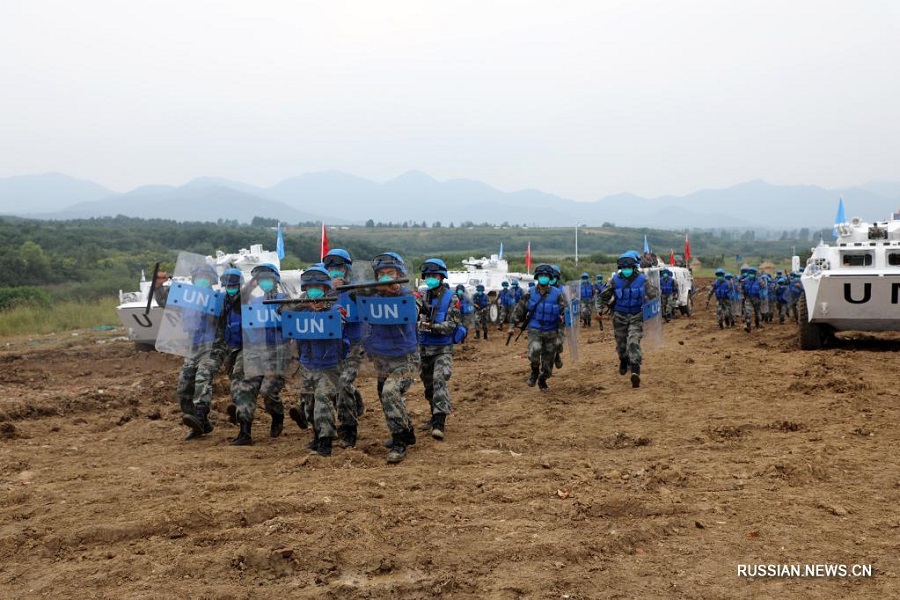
(853, 284)
(141, 315)
(489, 272)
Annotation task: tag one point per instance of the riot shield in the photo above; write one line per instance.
(737, 300)
(572, 317)
(764, 299)
(267, 351)
(653, 329)
(193, 306)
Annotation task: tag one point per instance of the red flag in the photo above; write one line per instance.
(687, 250)
(528, 259)
(324, 242)
(672, 257)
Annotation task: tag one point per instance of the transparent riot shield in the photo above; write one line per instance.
(737, 301)
(193, 306)
(652, 313)
(266, 351)
(572, 317)
(764, 299)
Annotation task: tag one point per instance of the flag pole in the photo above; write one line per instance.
(576, 244)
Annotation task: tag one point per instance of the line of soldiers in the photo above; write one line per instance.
(329, 401)
(755, 297)
(261, 355)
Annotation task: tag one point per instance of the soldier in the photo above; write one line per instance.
(394, 351)
(796, 288)
(257, 369)
(735, 298)
(482, 305)
(720, 289)
(503, 303)
(752, 290)
(466, 308)
(631, 290)
(782, 298)
(668, 287)
(209, 347)
(350, 407)
(587, 294)
(439, 318)
(542, 313)
(561, 332)
(321, 361)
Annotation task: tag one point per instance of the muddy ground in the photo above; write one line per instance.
(737, 449)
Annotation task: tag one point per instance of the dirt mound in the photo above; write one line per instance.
(736, 449)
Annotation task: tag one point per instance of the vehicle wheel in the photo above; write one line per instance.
(812, 335)
(688, 309)
(494, 313)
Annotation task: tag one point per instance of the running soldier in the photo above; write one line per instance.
(630, 290)
(668, 289)
(439, 319)
(752, 290)
(587, 294)
(542, 314)
(482, 305)
(720, 289)
(466, 308)
(395, 353)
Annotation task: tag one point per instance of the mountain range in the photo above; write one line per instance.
(339, 198)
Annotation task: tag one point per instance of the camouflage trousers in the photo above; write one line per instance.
(318, 396)
(723, 311)
(195, 380)
(667, 303)
(751, 311)
(395, 375)
(435, 371)
(629, 330)
(587, 312)
(347, 392)
(793, 312)
(543, 346)
(504, 315)
(481, 321)
(244, 391)
(783, 310)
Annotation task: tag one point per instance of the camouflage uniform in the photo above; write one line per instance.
(723, 311)
(195, 380)
(481, 321)
(244, 391)
(318, 391)
(436, 363)
(629, 330)
(395, 375)
(543, 346)
(349, 401)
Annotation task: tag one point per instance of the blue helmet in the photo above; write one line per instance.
(231, 276)
(556, 270)
(544, 269)
(531, 284)
(781, 280)
(388, 260)
(729, 276)
(479, 288)
(665, 272)
(315, 275)
(515, 283)
(720, 272)
(585, 276)
(628, 259)
(264, 270)
(599, 276)
(505, 284)
(337, 258)
(434, 266)
(205, 271)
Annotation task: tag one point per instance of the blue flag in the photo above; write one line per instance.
(839, 218)
(279, 243)
(646, 246)
(501, 251)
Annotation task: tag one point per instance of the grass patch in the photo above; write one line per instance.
(60, 316)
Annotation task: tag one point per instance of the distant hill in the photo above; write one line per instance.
(31, 194)
(340, 198)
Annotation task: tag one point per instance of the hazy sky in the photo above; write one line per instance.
(580, 99)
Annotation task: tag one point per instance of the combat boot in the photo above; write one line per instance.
(477, 335)
(324, 447)
(232, 414)
(199, 423)
(313, 445)
(347, 436)
(409, 436)
(533, 378)
(398, 448)
(623, 366)
(747, 327)
(277, 425)
(485, 335)
(542, 383)
(635, 376)
(558, 361)
(438, 423)
(243, 438)
(299, 417)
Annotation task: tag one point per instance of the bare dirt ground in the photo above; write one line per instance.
(738, 449)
